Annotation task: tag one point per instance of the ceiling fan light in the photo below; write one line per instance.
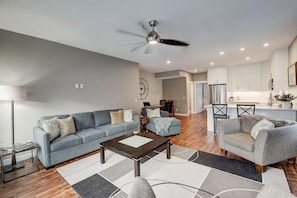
(153, 42)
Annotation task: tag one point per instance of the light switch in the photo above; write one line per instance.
(76, 85)
(81, 85)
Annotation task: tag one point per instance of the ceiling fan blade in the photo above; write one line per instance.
(173, 42)
(146, 30)
(148, 49)
(131, 33)
(139, 46)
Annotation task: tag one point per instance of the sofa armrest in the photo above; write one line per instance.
(136, 118)
(41, 138)
(275, 145)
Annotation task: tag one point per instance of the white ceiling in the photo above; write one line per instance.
(210, 26)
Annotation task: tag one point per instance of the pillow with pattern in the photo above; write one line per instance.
(51, 127)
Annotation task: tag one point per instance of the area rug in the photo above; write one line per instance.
(189, 173)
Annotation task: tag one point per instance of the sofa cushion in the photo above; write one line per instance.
(130, 125)
(66, 126)
(112, 129)
(240, 140)
(84, 120)
(103, 117)
(89, 135)
(261, 125)
(117, 117)
(65, 142)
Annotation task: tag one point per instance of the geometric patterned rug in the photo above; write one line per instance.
(189, 173)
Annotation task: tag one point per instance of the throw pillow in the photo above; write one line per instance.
(51, 127)
(67, 126)
(263, 124)
(153, 113)
(128, 115)
(117, 117)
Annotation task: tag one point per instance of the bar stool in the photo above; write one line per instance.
(219, 112)
(245, 109)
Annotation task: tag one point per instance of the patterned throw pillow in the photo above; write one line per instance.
(66, 126)
(153, 113)
(51, 127)
(263, 124)
(128, 116)
(117, 117)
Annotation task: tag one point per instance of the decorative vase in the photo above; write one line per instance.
(286, 105)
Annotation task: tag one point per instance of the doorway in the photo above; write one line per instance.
(201, 96)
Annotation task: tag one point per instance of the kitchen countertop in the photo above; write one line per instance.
(258, 106)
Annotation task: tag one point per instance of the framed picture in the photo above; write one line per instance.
(292, 75)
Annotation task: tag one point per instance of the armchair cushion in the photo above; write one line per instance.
(240, 140)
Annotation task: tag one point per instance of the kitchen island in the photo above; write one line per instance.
(261, 109)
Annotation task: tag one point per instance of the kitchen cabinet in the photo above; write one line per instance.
(249, 77)
(217, 75)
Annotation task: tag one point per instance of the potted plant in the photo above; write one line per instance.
(285, 99)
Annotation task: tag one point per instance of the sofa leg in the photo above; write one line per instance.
(292, 160)
(223, 152)
(261, 169)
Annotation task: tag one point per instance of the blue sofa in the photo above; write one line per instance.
(174, 128)
(91, 129)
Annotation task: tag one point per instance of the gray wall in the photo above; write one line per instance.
(49, 71)
(176, 89)
(200, 77)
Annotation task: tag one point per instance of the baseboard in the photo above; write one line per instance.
(19, 157)
(181, 114)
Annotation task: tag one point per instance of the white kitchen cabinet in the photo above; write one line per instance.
(249, 77)
(217, 75)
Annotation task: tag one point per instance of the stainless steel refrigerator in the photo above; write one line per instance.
(218, 94)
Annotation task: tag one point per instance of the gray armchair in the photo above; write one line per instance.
(271, 146)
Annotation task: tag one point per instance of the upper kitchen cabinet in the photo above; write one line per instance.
(249, 77)
(217, 75)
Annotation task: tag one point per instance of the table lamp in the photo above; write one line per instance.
(12, 93)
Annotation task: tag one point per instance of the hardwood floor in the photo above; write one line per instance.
(48, 183)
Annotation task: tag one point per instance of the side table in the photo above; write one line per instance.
(143, 122)
(9, 151)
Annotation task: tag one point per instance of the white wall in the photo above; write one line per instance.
(49, 71)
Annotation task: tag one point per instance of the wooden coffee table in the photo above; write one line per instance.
(130, 147)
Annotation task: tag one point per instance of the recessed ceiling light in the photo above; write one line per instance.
(242, 49)
(222, 53)
(266, 44)
(195, 70)
(212, 63)
(168, 61)
(247, 58)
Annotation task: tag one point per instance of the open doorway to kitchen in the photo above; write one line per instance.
(201, 96)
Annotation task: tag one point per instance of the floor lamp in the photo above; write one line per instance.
(12, 93)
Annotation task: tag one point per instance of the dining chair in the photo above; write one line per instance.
(169, 107)
(146, 104)
(219, 112)
(162, 102)
(245, 109)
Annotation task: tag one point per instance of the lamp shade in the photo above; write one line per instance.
(8, 92)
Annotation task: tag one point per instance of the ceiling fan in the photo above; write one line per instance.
(153, 37)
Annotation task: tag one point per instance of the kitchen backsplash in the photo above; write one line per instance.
(251, 96)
